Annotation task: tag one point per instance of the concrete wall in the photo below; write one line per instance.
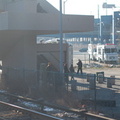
(22, 6)
(22, 15)
(22, 55)
(49, 22)
(15, 26)
(52, 53)
(26, 6)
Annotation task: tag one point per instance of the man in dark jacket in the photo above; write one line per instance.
(72, 71)
(66, 72)
(49, 70)
(79, 66)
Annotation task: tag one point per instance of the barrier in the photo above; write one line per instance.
(74, 85)
(112, 77)
(109, 83)
(91, 80)
(100, 77)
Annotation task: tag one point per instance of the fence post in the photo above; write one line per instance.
(85, 58)
(89, 58)
(95, 90)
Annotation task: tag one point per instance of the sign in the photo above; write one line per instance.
(105, 5)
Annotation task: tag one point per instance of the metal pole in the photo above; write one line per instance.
(99, 22)
(95, 91)
(64, 5)
(113, 29)
(106, 8)
(100, 30)
(64, 13)
(61, 39)
(98, 11)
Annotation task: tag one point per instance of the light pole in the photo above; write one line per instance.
(61, 39)
(113, 29)
(64, 13)
(64, 5)
(106, 8)
(101, 31)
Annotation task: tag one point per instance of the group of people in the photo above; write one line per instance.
(71, 70)
(66, 70)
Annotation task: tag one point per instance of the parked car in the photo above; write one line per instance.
(83, 50)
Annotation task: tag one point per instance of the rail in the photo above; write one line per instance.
(98, 117)
(72, 110)
(42, 115)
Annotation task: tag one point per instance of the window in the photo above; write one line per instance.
(107, 50)
(113, 50)
(110, 50)
(99, 51)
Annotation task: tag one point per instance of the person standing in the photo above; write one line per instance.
(66, 72)
(72, 71)
(49, 70)
(79, 64)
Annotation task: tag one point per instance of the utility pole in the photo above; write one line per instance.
(106, 8)
(98, 22)
(113, 29)
(61, 39)
(64, 13)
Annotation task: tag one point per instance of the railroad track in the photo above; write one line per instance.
(82, 114)
(15, 112)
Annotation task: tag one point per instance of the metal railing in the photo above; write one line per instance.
(95, 91)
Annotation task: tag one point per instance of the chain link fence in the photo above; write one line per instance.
(93, 91)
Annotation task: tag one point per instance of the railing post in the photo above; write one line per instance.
(95, 91)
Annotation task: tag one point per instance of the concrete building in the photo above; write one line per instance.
(22, 20)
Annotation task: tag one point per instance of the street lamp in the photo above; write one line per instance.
(107, 6)
(61, 36)
(64, 13)
(61, 39)
(101, 31)
(64, 5)
(113, 29)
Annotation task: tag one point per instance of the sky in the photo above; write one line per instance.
(86, 7)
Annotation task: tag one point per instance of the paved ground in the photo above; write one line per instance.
(102, 91)
(93, 67)
(107, 71)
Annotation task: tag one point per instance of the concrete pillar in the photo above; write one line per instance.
(74, 85)
(109, 83)
(30, 53)
(112, 77)
(19, 64)
(100, 79)
(22, 55)
(91, 80)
